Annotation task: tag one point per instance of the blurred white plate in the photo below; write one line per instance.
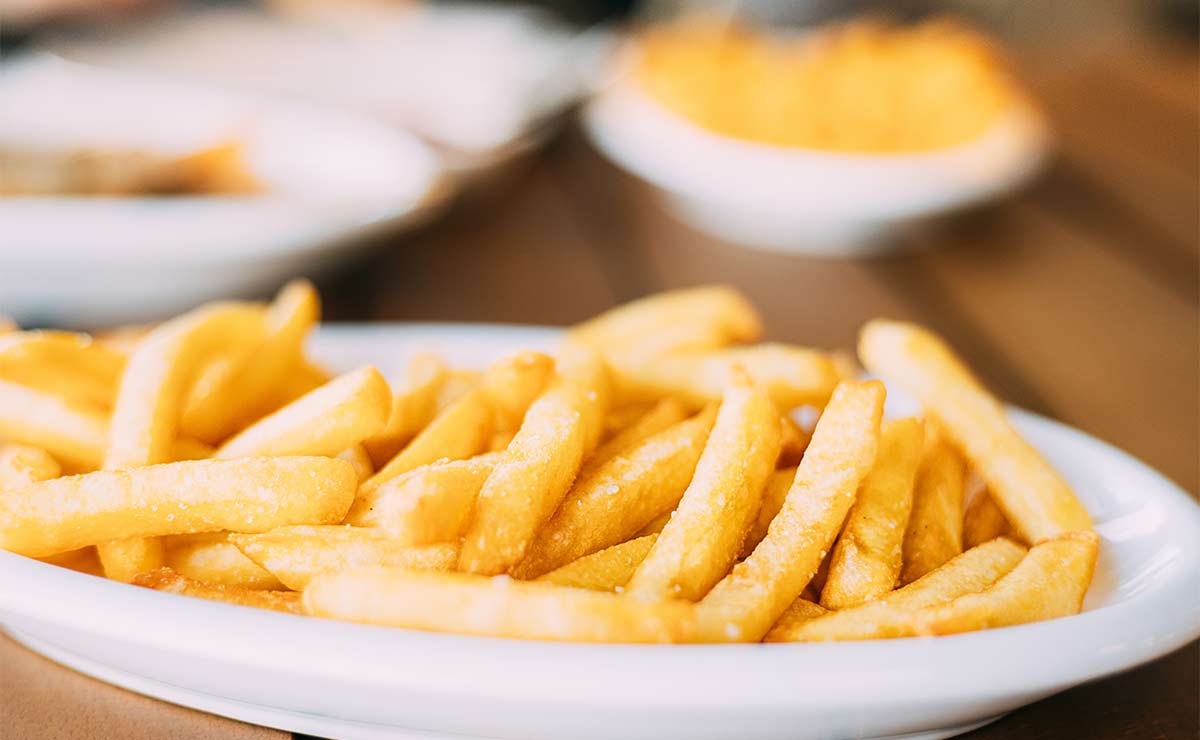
(354, 681)
(329, 176)
(799, 200)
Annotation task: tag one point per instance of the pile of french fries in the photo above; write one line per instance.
(649, 482)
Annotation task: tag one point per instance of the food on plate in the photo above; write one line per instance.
(859, 87)
(648, 481)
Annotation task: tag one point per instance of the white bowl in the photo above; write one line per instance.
(351, 681)
(329, 177)
(800, 200)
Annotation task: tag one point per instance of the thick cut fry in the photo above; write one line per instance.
(428, 505)
(211, 557)
(1033, 497)
(583, 367)
(624, 416)
(704, 537)
(185, 448)
(773, 496)
(75, 436)
(622, 496)
(534, 473)
(607, 570)
(296, 555)
(497, 607)
(21, 465)
(243, 391)
(934, 532)
(512, 383)
(304, 378)
(165, 579)
(252, 495)
(500, 441)
(717, 311)
(983, 520)
(793, 440)
(657, 524)
(744, 605)
(664, 414)
(889, 615)
(341, 413)
(73, 366)
(869, 552)
(357, 456)
(801, 611)
(83, 560)
(413, 407)
(793, 376)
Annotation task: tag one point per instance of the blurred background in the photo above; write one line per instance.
(1024, 177)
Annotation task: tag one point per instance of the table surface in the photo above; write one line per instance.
(1077, 298)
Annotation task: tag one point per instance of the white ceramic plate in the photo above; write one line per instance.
(354, 681)
(329, 177)
(798, 200)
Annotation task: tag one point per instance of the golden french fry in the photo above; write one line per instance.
(413, 407)
(21, 465)
(664, 414)
(513, 383)
(744, 605)
(890, 615)
(339, 414)
(211, 557)
(607, 570)
(983, 520)
(75, 436)
(457, 384)
(704, 537)
(185, 448)
(357, 456)
(298, 554)
(535, 471)
(798, 613)
(620, 497)
(793, 441)
(793, 376)
(430, 504)
(1033, 497)
(1050, 582)
(121, 340)
(165, 579)
(73, 366)
(657, 524)
(773, 496)
(934, 532)
(298, 381)
(500, 441)
(583, 367)
(497, 607)
(83, 560)
(623, 416)
(717, 311)
(243, 391)
(251, 495)
(869, 552)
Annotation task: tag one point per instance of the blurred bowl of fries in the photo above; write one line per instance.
(821, 142)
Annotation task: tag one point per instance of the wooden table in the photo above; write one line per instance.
(1077, 299)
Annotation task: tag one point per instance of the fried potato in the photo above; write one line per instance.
(934, 533)
(298, 554)
(890, 615)
(657, 524)
(185, 448)
(500, 441)
(983, 520)
(701, 541)
(299, 380)
(252, 495)
(534, 473)
(623, 416)
(869, 552)
(620, 497)
(793, 440)
(165, 579)
(664, 414)
(607, 570)
(582, 366)
(212, 558)
(718, 311)
(72, 366)
(357, 456)
(339, 414)
(430, 504)
(495, 606)
(513, 383)
(83, 560)
(1032, 495)
(413, 406)
(744, 605)
(799, 612)
(244, 390)
(75, 436)
(21, 465)
(776, 491)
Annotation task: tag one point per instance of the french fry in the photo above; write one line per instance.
(623, 416)
(866, 560)
(744, 605)
(890, 615)
(73, 366)
(793, 440)
(339, 414)
(185, 448)
(934, 532)
(302, 379)
(1033, 497)
(657, 524)
(497, 607)
(583, 367)
(251, 495)
(500, 441)
(413, 407)
(430, 504)
(212, 558)
(165, 579)
(75, 436)
(298, 554)
(607, 570)
(513, 383)
(458, 383)
(773, 496)
(357, 456)
(535, 471)
(21, 465)
(983, 520)
(83, 560)
(620, 497)
(720, 312)
(701, 541)
(243, 391)
(664, 414)
(798, 613)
